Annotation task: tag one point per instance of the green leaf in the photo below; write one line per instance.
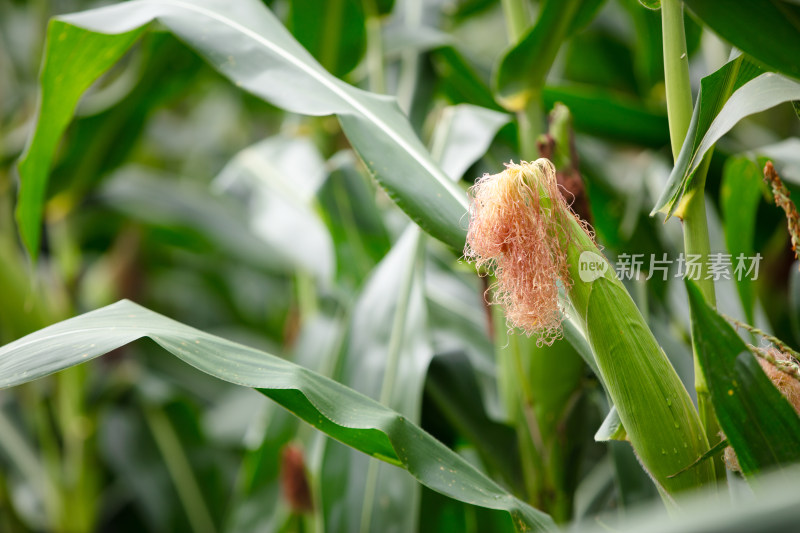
(740, 195)
(256, 502)
(604, 114)
(633, 482)
(717, 448)
(213, 222)
(710, 112)
(332, 31)
(247, 44)
(184, 478)
(389, 350)
(452, 386)
(648, 56)
(20, 451)
(459, 323)
(461, 81)
(129, 453)
(522, 70)
(276, 181)
(462, 135)
(26, 306)
(612, 428)
(761, 425)
(772, 508)
(444, 515)
(61, 89)
(341, 412)
(595, 110)
(355, 222)
(786, 156)
(598, 57)
(574, 335)
(767, 30)
(651, 4)
(764, 92)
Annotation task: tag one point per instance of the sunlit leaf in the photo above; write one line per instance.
(463, 135)
(342, 413)
(786, 157)
(612, 428)
(275, 181)
(715, 89)
(247, 44)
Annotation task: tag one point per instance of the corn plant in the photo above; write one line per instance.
(386, 340)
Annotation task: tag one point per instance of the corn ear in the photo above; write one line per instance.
(656, 411)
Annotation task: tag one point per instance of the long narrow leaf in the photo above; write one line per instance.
(761, 426)
(740, 195)
(342, 413)
(246, 43)
(714, 92)
(765, 29)
(524, 66)
(774, 508)
(707, 126)
(61, 89)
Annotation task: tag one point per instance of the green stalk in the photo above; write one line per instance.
(409, 62)
(375, 70)
(530, 119)
(180, 471)
(531, 126)
(517, 17)
(553, 24)
(695, 224)
(513, 383)
(519, 404)
(396, 341)
(676, 73)
(696, 241)
(79, 483)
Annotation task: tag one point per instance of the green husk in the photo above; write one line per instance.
(652, 402)
(656, 411)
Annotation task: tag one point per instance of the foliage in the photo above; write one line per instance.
(289, 177)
